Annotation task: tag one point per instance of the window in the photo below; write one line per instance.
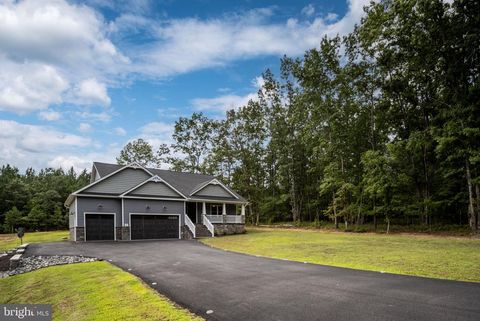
(215, 209)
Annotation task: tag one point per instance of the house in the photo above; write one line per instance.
(131, 202)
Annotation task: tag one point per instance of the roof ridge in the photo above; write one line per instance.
(159, 169)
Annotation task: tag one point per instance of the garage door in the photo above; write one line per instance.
(99, 227)
(154, 226)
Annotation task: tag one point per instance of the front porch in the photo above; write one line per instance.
(214, 219)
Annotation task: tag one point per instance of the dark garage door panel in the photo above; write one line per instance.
(99, 227)
(154, 226)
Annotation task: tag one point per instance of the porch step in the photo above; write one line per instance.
(202, 231)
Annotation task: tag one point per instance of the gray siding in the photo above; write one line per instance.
(155, 189)
(120, 182)
(214, 191)
(140, 206)
(91, 204)
(71, 214)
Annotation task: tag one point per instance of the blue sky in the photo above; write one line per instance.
(79, 79)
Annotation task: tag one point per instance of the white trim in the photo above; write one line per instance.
(199, 200)
(76, 212)
(85, 224)
(123, 220)
(214, 182)
(132, 165)
(179, 222)
(75, 220)
(155, 179)
(154, 198)
(190, 225)
(95, 195)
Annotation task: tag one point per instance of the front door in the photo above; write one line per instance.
(192, 212)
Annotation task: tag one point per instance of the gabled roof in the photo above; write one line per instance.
(184, 183)
(212, 182)
(155, 179)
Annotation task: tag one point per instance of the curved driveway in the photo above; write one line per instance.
(242, 287)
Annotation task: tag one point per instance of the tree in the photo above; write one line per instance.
(37, 218)
(13, 219)
(192, 138)
(138, 151)
(59, 219)
(162, 155)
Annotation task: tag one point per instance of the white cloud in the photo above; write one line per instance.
(47, 48)
(25, 145)
(84, 127)
(64, 161)
(35, 138)
(91, 116)
(331, 17)
(308, 10)
(157, 133)
(92, 92)
(184, 45)
(53, 51)
(49, 115)
(258, 82)
(222, 103)
(120, 131)
(29, 86)
(156, 129)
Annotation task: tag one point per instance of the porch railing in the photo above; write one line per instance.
(209, 225)
(215, 218)
(235, 219)
(190, 225)
(230, 219)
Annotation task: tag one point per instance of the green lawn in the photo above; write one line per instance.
(429, 256)
(9, 241)
(91, 291)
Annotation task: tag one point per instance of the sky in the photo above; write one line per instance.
(80, 79)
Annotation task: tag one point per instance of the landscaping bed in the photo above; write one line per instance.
(31, 263)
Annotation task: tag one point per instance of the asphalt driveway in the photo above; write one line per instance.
(242, 287)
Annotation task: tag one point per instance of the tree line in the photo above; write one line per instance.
(35, 199)
(381, 125)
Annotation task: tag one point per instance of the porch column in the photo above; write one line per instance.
(224, 212)
(243, 213)
(204, 211)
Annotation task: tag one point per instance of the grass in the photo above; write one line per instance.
(91, 291)
(9, 241)
(429, 256)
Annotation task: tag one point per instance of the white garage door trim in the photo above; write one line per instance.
(114, 223)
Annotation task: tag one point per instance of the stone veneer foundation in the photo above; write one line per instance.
(229, 229)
